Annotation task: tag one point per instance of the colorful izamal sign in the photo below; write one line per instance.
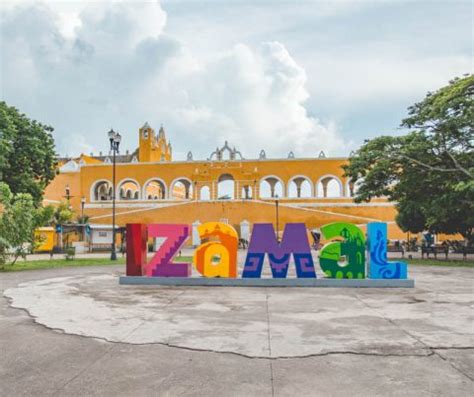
(347, 255)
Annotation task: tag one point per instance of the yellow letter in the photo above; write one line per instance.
(217, 258)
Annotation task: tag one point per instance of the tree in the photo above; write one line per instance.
(50, 215)
(83, 219)
(17, 224)
(429, 171)
(45, 216)
(63, 213)
(27, 153)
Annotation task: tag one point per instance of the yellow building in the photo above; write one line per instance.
(152, 188)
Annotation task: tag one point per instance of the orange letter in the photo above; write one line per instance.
(217, 258)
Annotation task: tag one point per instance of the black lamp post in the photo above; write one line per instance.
(83, 203)
(277, 217)
(114, 138)
(68, 196)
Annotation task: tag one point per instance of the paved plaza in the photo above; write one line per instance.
(75, 331)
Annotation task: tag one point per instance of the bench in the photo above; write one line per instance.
(396, 248)
(467, 251)
(435, 250)
(63, 251)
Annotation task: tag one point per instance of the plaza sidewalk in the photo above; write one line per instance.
(140, 341)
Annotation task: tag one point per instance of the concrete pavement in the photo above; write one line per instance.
(90, 336)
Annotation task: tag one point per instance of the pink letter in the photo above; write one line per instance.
(161, 264)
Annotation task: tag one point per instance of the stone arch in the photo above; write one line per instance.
(101, 190)
(300, 186)
(154, 189)
(270, 186)
(329, 186)
(181, 189)
(127, 189)
(226, 187)
(205, 193)
(352, 188)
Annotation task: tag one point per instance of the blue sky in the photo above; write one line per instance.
(282, 76)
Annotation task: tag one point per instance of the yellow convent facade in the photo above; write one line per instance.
(152, 188)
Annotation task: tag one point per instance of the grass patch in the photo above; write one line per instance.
(439, 262)
(58, 263)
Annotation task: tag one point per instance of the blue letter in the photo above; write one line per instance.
(379, 267)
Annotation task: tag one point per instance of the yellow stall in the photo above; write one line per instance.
(46, 237)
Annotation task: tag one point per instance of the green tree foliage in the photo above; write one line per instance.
(83, 219)
(63, 213)
(429, 171)
(50, 215)
(27, 153)
(45, 216)
(17, 224)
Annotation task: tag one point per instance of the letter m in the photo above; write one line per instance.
(263, 241)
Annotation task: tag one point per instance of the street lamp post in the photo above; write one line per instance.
(68, 196)
(114, 138)
(277, 217)
(83, 202)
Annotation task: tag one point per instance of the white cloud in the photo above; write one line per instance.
(252, 97)
(85, 68)
(384, 74)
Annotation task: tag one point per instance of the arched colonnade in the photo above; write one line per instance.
(226, 187)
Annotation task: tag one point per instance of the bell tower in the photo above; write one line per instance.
(153, 148)
(146, 143)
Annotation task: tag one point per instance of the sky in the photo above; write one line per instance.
(275, 75)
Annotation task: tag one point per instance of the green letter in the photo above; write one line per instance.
(352, 247)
